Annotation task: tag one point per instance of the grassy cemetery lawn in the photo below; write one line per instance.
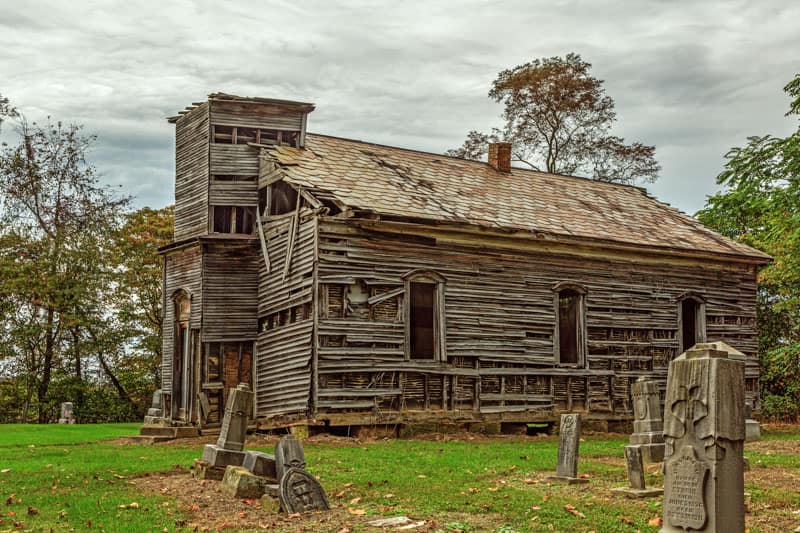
(64, 478)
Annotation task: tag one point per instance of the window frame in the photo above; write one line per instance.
(699, 318)
(233, 217)
(439, 330)
(581, 291)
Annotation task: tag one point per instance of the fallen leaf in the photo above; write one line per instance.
(387, 496)
(535, 508)
(32, 511)
(493, 489)
(357, 512)
(348, 485)
(12, 513)
(655, 521)
(355, 501)
(422, 476)
(10, 499)
(474, 489)
(132, 505)
(294, 515)
(529, 480)
(5, 471)
(339, 494)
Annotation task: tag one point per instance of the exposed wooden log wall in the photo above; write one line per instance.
(191, 174)
(500, 316)
(230, 290)
(183, 271)
(284, 348)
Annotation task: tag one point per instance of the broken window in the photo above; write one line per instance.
(244, 135)
(691, 321)
(570, 324)
(282, 198)
(233, 219)
(424, 304)
(422, 320)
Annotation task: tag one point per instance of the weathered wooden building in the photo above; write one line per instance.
(352, 283)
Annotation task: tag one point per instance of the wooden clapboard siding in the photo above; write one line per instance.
(191, 173)
(274, 117)
(284, 345)
(283, 369)
(234, 159)
(276, 293)
(243, 193)
(230, 290)
(183, 269)
(500, 319)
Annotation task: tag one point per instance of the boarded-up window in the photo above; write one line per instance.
(421, 315)
(233, 219)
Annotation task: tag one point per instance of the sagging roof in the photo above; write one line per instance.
(406, 183)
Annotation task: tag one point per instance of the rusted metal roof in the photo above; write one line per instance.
(406, 183)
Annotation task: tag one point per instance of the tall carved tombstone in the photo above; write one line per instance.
(648, 426)
(569, 437)
(228, 450)
(704, 432)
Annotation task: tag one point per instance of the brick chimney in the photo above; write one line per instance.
(500, 156)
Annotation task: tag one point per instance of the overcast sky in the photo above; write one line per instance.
(693, 78)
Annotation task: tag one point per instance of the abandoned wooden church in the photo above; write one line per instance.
(355, 284)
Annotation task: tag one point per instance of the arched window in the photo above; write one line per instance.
(691, 320)
(569, 335)
(424, 311)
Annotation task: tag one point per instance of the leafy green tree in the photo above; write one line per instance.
(558, 119)
(760, 206)
(56, 220)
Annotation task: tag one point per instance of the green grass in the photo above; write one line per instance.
(73, 476)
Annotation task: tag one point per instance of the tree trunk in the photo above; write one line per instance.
(76, 339)
(47, 366)
(123, 395)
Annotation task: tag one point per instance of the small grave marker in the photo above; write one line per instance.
(568, 443)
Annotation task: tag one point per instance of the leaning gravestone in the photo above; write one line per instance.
(67, 416)
(648, 425)
(228, 450)
(299, 492)
(704, 432)
(289, 454)
(260, 464)
(635, 467)
(569, 436)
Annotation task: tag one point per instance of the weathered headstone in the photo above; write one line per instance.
(648, 425)
(67, 416)
(228, 450)
(635, 466)
(704, 431)
(569, 438)
(299, 492)
(288, 454)
(752, 429)
(260, 464)
(155, 412)
(234, 424)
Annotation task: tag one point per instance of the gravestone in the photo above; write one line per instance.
(228, 450)
(752, 429)
(155, 412)
(569, 437)
(635, 465)
(260, 464)
(289, 454)
(67, 416)
(648, 425)
(704, 432)
(299, 492)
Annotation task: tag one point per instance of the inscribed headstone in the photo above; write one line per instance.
(704, 431)
(635, 466)
(569, 438)
(67, 416)
(299, 492)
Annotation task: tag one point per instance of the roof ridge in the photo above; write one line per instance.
(473, 161)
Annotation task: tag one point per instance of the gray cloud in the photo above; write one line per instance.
(693, 78)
